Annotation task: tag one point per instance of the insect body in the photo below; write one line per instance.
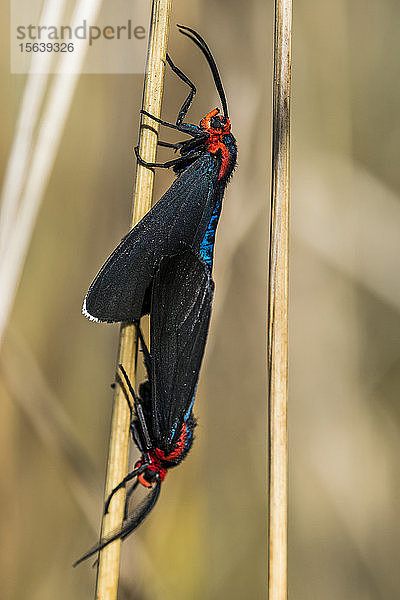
(163, 266)
(185, 217)
(163, 421)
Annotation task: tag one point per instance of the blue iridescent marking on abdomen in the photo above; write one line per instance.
(207, 244)
(187, 414)
(189, 410)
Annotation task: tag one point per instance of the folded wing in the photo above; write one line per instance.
(179, 321)
(122, 289)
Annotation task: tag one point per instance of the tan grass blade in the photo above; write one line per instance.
(278, 305)
(108, 568)
(32, 100)
(44, 154)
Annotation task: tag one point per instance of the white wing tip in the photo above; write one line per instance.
(87, 314)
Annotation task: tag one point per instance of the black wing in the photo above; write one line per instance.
(179, 320)
(181, 216)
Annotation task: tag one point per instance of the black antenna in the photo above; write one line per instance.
(129, 524)
(198, 40)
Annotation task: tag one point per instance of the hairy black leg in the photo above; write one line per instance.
(186, 105)
(185, 145)
(194, 142)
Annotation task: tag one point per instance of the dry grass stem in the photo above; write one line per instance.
(43, 158)
(48, 419)
(32, 100)
(108, 569)
(278, 305)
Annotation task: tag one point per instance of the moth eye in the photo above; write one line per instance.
(216, 122)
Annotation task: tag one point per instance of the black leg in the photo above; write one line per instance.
(168, 164)
(138, 410)
(126, 396)
(130, 387)
(193, 143)
(157, 120)
(188, 128)
(168, 145)
(142, 421)
(185, 145)
(145, 350)
(186, 105)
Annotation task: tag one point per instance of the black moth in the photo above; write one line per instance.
(163, 424)
(185, 217)
(163, 266)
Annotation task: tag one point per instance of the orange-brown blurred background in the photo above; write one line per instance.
(206, 538)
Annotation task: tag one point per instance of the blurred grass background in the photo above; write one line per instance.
(207, 537)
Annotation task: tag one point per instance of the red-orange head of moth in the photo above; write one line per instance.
(160, 462)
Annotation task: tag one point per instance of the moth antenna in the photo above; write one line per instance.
(198, 40)
(130, 524)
